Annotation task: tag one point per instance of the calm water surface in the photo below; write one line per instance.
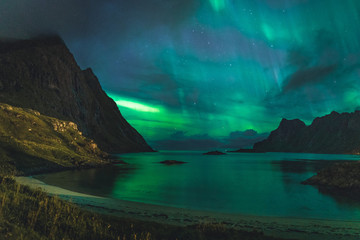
(264, 184)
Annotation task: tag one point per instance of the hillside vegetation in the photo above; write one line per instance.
(32, 143)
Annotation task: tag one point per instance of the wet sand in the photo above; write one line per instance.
(291, 228)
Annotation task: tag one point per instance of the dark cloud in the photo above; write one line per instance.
(179, 141)
(169, 12)
(247, 133)
(321, 74)
(314, 61)
(282, 106)
(298, 57)
(161, 87)
(284, 3)
(25, 18)
(324, 41)
(22, 18)
(187, 145)
(308, 76)
(243, 139)
(178, 135)
(149, 85)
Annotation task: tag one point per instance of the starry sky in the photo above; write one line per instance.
(207, 73)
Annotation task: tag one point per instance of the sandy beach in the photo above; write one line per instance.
(290, 228)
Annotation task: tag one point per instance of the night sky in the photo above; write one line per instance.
(207, 73)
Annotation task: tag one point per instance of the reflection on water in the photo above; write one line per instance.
(256, 184)
(98, 182)
(347, 199)
(302, 165)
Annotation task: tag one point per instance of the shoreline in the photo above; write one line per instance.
(284, 227)
(45, 170)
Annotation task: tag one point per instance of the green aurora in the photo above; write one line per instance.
(238, 65)
(211, 69)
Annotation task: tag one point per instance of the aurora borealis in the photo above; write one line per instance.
(208, 70)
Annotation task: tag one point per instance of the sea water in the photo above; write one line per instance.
(261, 184)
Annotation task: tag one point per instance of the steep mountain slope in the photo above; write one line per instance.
(42, 74)
(333, 133)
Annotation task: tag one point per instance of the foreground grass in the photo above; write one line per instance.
(32, 214)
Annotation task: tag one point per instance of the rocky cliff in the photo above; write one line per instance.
(31, 143)
(333, 133)
(42, 74)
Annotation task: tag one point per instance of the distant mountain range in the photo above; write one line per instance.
(333, 133)
(42, 74)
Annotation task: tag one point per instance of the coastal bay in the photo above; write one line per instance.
(278, 227)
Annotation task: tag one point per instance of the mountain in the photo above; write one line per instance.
(333, 133)
(42, 74)
(32, 143)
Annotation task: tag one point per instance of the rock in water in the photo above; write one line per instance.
(214, 153)
(333, 133)
(42, 74)
(341, 177)
(172, 162)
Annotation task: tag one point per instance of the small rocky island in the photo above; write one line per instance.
(172, 162)
(214, 153)
(335, 133)
(341, 177)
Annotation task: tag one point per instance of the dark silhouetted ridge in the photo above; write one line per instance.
(333, 133)
(42, 74)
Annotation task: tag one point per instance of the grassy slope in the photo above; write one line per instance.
(31, 143)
